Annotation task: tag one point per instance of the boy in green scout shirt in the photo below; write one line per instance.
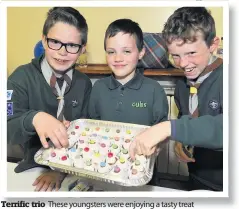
(190, 35)
(127, 96)
(48, 91)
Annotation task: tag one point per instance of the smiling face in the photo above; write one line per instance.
(61, 60)
(192, 57)
(122, 56)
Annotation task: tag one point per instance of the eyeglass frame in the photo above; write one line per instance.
(63, 44)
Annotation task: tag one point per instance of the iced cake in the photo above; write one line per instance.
(101, 149)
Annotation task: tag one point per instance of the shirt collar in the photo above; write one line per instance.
(134, 83)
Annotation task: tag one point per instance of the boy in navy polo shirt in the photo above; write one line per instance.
(127, 96)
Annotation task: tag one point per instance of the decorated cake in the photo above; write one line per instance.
(100, 149)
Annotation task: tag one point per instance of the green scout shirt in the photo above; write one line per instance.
(140, 101)
(31, 94)
(204, 132)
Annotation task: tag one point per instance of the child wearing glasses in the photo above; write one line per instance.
(47, 91)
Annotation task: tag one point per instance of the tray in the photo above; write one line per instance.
(99, 150)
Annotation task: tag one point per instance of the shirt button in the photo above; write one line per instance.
(121, 94)
(120, 103)
(122, 88)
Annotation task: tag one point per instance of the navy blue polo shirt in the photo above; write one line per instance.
(140, 101)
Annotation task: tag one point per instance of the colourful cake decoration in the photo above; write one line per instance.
(83, 134)
(127, 141)
(81, 141)
(73, 149)
(86, 149)
(102, 164)
(110, 154)
(116, 169)
(128, 131)
(97, 154)
(122, 160)
(137, 162)
(114, 146)
(92, 141)
(134, 171)
(100, 149)
(63, 158)
(117, 138)
(53, 154)
(124, 151)
(103, 145)
(88, 163)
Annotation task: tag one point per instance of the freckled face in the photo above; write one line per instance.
(192, 57)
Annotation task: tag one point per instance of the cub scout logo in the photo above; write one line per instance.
(213, 104)
(9, 108)
(139, 104)
(9, 94)
(74, 103)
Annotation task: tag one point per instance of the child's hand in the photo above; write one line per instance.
(48, 181)
(66, 123)
(49, 127)
(147, 142)
(180, 153)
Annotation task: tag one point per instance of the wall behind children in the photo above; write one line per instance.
(24, 28)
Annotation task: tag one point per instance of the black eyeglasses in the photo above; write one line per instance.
(56, 45)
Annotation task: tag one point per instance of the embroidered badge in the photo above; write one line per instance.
(74, 103)
(9, 108)
(213, 104)
(139, 104)
(9, 94)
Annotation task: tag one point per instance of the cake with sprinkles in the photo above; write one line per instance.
(101, 150)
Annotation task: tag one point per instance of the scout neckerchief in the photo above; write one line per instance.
(193, 101)
(51, 77)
